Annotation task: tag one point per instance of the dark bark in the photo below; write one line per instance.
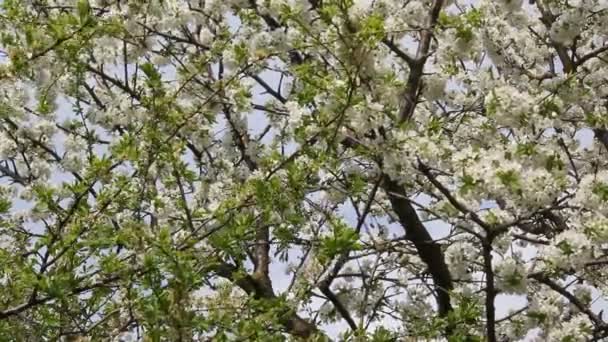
(429, 251)
(602, 135)
(260, 289)
(490, 293)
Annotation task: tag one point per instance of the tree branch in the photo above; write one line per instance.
(325, 284)
(294, 324)
(412, 87)
(490, 292)
(544, 279)
(429, 251)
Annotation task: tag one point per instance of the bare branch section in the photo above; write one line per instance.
(414, 79)
(601, 326)
(294, 324)
(325, 284)
(601, 134)
(490, 292)
(429, 251)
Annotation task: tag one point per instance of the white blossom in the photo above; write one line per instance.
(511, 277)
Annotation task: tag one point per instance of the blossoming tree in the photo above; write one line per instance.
(268, 170)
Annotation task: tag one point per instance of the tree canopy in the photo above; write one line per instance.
(315, 170)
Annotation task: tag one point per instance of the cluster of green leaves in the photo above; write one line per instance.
(464, 23)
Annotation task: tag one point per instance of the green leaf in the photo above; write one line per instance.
(372, 29)
(382, 334)
(5, 205)
(601, 190)
(84, 10)
(154, 77)
(511, 179)
(474, 17)
(342, 240)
